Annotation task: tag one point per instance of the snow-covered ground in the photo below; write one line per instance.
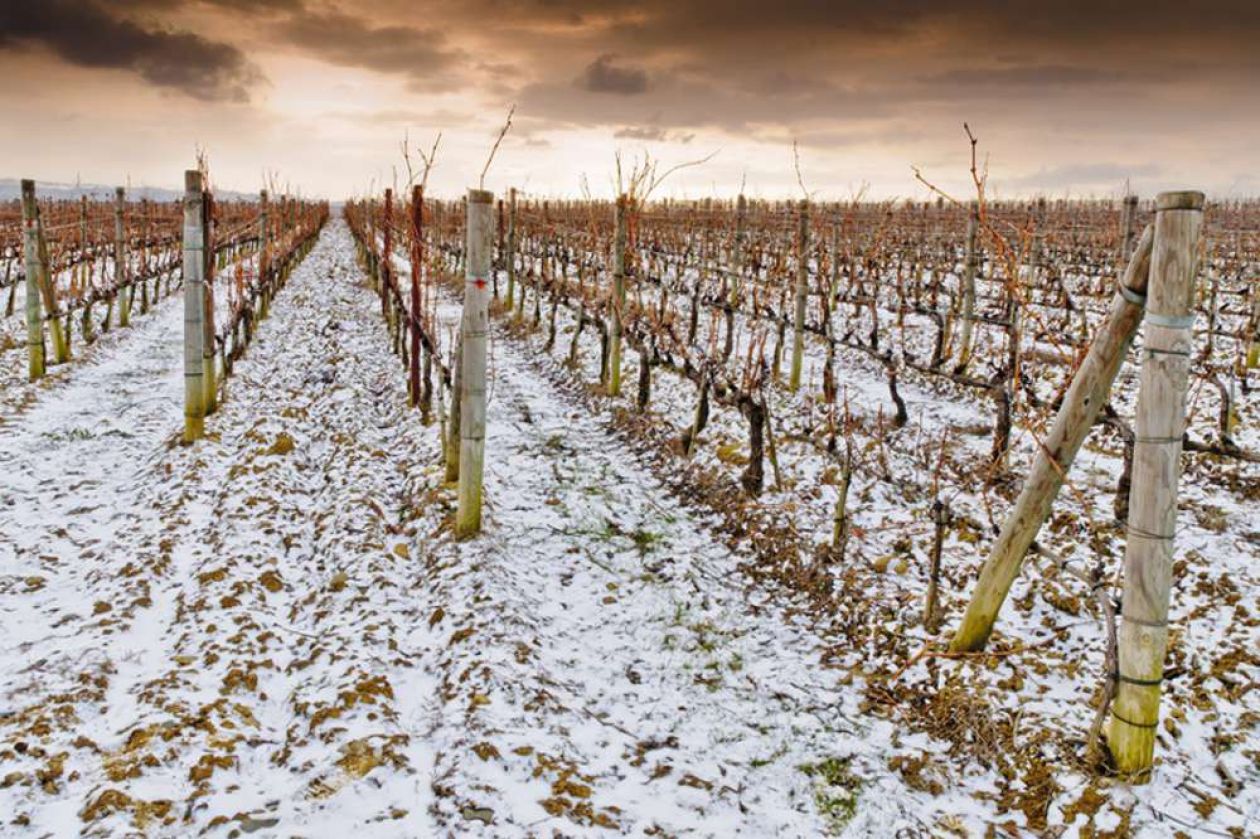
(273, 631)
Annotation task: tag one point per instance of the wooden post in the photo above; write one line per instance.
(34, 314)
(474, 329)
(209, 381)
(120, 257)
(494, 269)
(264, 254)
(1128, 227)
(194, 307)
(85, 275)
(417, 266)
(737, 257)
(387, 257)
(618, 296)
(1159, 426)
(48, 289)
(520, 299)
(510, 256)
(802, 297)
(1085, 397)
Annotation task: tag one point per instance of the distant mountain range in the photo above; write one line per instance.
(11, 188)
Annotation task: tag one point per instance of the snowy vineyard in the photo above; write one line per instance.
(83, 266)
(525, 517)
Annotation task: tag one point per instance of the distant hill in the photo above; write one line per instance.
(11, 188)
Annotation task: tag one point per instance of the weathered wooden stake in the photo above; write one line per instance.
(194, 307)
(264, 254)
(619, 295)
(85, 275)
(474, 329)
(1128, 227)
(1158, 430)
(120, 257)
(802, 296)
(417, 268)
(209, 372)
(737, 257)
(510, 256)
(34, 268)
(1085, 397)
(387, 259)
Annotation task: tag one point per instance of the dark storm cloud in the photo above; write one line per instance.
(87, 34)
(256, 6)
(423, 55)
(1075, 20)
(836, 74)
(799, 65)
(603, 76)
(688, 101)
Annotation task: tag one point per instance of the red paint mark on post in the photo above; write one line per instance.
(480, 282)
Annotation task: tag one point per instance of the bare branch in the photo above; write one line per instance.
(481, 184)
(796, 160)
(656, 181)
(430, 160)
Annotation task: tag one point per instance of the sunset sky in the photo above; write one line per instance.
(1065, 95)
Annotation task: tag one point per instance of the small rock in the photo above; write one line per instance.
(479, 814)
(249, 824)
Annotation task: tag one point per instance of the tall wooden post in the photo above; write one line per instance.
(387, 264)
(474, 328)
(264, 254)
(494, 268)
(58, 332)
(801, 292)
(417, 266)
(618, 296)
(1158, 430)
(971, 266)
(1085, 397)
(194, 306)
(86, 275)
(737, 258)
(120, 257)
(34, 268)
(210, 379)
(1128, 226)
(510, 257)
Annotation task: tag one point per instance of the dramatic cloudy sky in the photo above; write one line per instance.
(1065, 95)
